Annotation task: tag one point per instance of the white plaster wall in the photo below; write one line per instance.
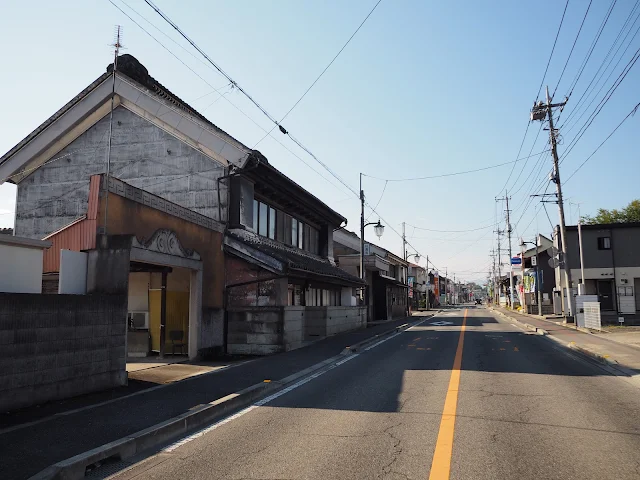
(627, 303)
(20, 269)
(139, 292)
(73, 272)
(348, 299)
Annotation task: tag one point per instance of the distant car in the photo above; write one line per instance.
(478, 301)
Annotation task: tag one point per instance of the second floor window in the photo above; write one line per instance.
(264, 219)
(272, 223)
(604, 243)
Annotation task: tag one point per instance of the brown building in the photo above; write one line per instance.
(226, 251)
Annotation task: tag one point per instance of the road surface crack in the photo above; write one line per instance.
(396, 452)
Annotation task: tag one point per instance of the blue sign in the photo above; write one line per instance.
(516, 261)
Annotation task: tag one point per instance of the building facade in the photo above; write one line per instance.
(204, 212)
(386, 295)
(611, 264)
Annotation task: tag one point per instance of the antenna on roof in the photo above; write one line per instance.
(117, 44)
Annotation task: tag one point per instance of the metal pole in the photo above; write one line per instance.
(538, 289)
(446, 285)
(363, 295)
(454, 299)
(581, 286)
(113, 94)
(428, 285)
(163, 312)
(563, 232)
(404, 254)
(510, 263)
(362, 275)
(524, 295)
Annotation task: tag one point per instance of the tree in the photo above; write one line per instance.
(630, 213)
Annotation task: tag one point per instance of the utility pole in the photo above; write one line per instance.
(446, 286)
(539, 112)
(454, 299)
(499, 232)
(404, 257)
(506, 196)
(493, 272)
(362, 275)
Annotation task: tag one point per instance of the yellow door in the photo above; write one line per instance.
(177, 317)
(154, 318)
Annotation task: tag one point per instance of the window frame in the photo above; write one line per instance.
(604, 243)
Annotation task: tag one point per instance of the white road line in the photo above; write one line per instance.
(284, 391)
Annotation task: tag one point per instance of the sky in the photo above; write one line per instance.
(425, 88)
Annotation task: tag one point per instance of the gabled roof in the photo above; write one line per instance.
(284, 259)
(136, 90)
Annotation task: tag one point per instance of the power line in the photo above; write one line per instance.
(630, 114)
(452, 231)
(591, 49)
(246, 94)
(537, 96)
(602, 103)
(552, 50)
(323, 71)
(597, 78)
(222, 96)
(572, 47)
(464, 172)
(378, 203)
(215, 65)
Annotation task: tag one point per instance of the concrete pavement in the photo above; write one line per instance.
(626, 355)
(34, 444)
(516, 406)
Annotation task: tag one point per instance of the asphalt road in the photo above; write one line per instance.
(468, 398)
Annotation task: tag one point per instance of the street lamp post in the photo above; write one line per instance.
(378, 229)
(416, 257)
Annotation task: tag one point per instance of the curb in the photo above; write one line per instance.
(75, 467)
(528, 326)
(604, 359)
(596, 356)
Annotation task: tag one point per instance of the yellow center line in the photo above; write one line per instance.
(441, 464)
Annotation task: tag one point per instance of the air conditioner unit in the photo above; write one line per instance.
(624, 280)
(138, 320)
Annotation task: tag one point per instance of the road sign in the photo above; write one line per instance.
(516, 261)
(534, 261)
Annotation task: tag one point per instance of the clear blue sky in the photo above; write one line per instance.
(425, 88)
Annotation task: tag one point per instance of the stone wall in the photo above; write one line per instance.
(59, 346)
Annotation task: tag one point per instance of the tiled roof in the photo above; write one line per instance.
(293, 258)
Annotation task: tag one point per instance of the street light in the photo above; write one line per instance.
(378, 229)
(538, 290)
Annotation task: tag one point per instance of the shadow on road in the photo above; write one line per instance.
(431, 347)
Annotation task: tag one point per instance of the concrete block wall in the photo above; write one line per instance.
(58, 346)
(142, 155)
(211, 330)
(257, 331)
(344, 319)
(294, 319)
(315, 325)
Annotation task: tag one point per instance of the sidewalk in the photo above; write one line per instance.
(597, 344)
(26, 450)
